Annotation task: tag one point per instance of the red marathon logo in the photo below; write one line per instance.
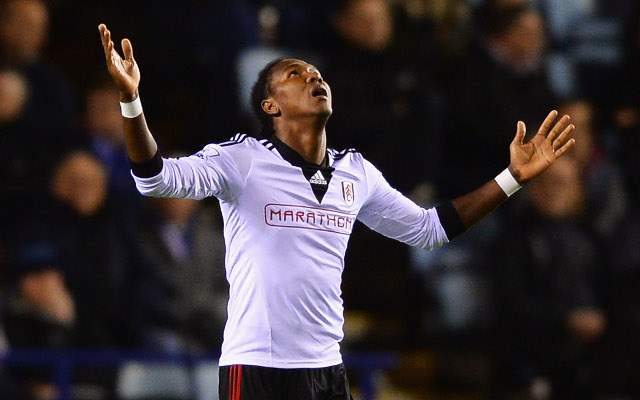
(319, 219)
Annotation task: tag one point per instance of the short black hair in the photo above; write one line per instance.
(261, 90)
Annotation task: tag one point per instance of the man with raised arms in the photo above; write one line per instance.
(289, 204)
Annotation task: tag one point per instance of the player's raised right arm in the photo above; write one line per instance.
(141, 146)
(208, 173)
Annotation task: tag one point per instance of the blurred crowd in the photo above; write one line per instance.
(538, 301)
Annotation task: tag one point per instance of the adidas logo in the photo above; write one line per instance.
(318, 179)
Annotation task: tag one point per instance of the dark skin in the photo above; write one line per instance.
(299, 117)
(300, 104)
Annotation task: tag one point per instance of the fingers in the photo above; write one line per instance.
(558, 128)
(564, 136)
(105, 35)
(109, 52)
(558, 153)
(127, 49)
(546, 125)
(520, 133)
(107, 43)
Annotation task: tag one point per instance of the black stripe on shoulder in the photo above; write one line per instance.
(266, 143)
(345, 151)
(340, 154)
(236, 139)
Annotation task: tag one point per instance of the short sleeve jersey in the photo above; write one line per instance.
(285, 248)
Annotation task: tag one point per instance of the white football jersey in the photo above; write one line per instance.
(285, 248)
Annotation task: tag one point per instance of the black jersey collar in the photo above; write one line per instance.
(318, 176)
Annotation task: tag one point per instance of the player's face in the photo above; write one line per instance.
(298, 90)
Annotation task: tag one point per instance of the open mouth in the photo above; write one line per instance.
(319, 91)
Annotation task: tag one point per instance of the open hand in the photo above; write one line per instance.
(125, 72)
(530, 159)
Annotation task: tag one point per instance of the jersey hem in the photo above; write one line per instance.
(227, 361)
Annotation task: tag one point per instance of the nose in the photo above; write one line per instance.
(313, 77)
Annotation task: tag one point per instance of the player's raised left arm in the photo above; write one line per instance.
(528, 160)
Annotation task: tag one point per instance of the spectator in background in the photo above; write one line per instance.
(24, 30)
(73, 268)
(606, 199)
(23, 35)
(549, 316)
(253, 58)
(76, 247)
(586, 46)
(183, 297)
(501, 80)
(40, 126)
(96, 253)
(13, 96)
(381, 92)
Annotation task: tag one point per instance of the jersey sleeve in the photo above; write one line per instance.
(390, 213)
(213, 171)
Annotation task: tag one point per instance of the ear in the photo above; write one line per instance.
(270, 107)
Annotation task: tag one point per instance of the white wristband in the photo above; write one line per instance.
(507, 182)
(132, 109)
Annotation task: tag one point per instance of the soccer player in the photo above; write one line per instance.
(289, 205)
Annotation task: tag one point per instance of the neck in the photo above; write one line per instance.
(308, 138)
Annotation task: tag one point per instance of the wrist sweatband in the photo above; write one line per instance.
(507, 182)
(131, 109)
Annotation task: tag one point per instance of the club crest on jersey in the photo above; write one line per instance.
(347, 192)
